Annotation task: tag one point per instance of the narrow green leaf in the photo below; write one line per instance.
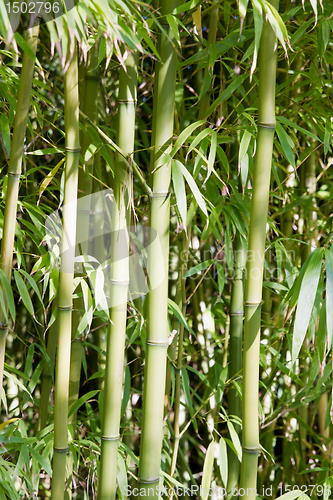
(329, 294)
(41, 460)
(186, 388)
(284, 141)
(223, 461)
(180, 191)
(33, 285)
(306, 300)
(327, 137)
(194, 188)
(220, 277)
(121, 476)
(212, 154)
(179, 315)
(81, 401)
(235, 440)
(9, 294)
(23, 291)
(207, 471)
(198, 268)
(227, 93)
(184, 135)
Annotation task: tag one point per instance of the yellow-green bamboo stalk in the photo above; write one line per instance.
(72, 143)
(119, 282)
(157, 324)
(235, 356)
(14, 174)
(255, 261)
(87, 88)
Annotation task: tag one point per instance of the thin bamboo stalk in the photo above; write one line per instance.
(14, 174)
(72, 142)
(255, 261)
(157, 325)
(235, 356)
(43, 410)
(107, 488)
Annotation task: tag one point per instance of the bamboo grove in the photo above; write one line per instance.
(166, 272)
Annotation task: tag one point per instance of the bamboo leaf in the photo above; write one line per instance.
(180, 192)
(186, 388)
(121, 475)
(194, 188)
(327, 137)
(284, 141)
(306, 300)
(33, 285)
(184, 135)
(212, 154)
(49, 177)
(197, 21)
(220, 277)
(23, 291)
(235, 440)
(41, 460)
(227, 93)
(198, 268)
(223, 158)
(223, 461)
(10, 421)
(329, 294)
(81, 402)
(207, 471)
(291, 495)
(179, 315)
(9, 294)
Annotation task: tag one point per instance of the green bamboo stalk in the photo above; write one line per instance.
(43, 410)
(72, 142)
(235, 356)
(255, 261)
(14, 174)
(157, 324)
(107, 488)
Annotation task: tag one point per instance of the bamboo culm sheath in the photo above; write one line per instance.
(157, 324)
(255, 262)
(14, 174)
(66, 279)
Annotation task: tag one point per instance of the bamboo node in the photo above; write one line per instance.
(119, 282)
(73, 150)
(269, 126)
(239, 313)
(92, 77)
(65, 308)
(157, 343)
(163, 194)
(14, 174)
(253, 304)
(61, 450)
(149, 481)
(110, 438)
(128, 101)
(251, 450)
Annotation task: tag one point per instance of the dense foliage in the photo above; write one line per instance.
(142, 135)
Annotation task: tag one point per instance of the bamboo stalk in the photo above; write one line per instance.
(107, 488)
(14, 174)
(157, 324)
(66, 279)
(235, 356)
(255, 261)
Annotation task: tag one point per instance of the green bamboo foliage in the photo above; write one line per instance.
(119, 282)
(235, 356)
(66, 279)
(157, 324)
(255, 262)
(14, 174)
